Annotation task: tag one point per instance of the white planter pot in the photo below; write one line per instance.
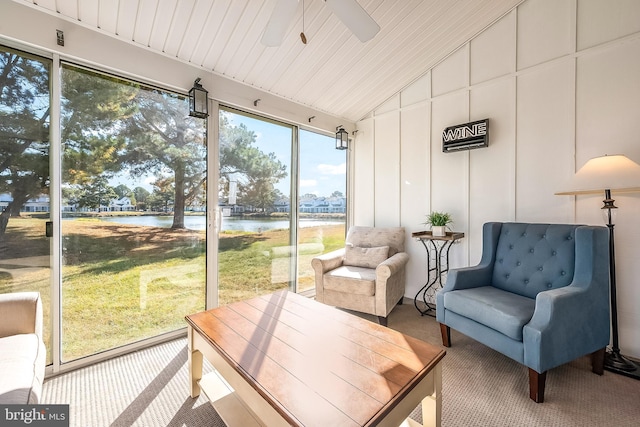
(439, 231)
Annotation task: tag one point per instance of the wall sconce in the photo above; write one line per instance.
(342, 138)
(198, 105)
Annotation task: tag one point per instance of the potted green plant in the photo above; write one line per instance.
(439, 222)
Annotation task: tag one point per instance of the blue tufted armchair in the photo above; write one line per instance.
(540, 296)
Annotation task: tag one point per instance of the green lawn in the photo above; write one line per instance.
(123, 283)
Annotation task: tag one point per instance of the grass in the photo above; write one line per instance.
(123, 283)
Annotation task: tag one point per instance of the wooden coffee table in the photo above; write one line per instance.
(283, 359)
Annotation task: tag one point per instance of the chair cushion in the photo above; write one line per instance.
(531, 258)
(365, 257)
(370, 237)
(351, 280)
(22, 365)
(500, 310)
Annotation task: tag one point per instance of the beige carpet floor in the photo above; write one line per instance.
(480, 388)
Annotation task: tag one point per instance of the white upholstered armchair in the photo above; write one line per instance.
(367, 275)
(22, 351)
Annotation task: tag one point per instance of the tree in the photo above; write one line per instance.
(162, 138)
(71, 194)
(94, 111)
(123, 191)
(337, 193)
(141, 195)
(24, 130)
(112, 126)
(96, 194)
(255, 172)
(162, 196)
(260, 194)
(92, 114)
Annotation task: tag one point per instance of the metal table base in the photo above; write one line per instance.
(437, 248)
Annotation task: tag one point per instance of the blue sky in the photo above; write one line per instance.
(322, 167)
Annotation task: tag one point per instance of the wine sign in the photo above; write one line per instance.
(466, 136)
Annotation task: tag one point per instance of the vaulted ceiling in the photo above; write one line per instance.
(334, 72)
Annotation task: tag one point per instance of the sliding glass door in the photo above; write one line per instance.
(266, 241)
(256, 246)
(24, 178)
(133, 212)
(322, 202)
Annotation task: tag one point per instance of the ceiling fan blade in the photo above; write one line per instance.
(279, 22)
(355, 18)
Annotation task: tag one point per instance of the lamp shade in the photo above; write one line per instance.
(616, 173)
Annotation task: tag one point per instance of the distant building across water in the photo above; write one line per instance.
(308, 204)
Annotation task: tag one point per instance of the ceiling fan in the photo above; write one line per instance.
(352, 15)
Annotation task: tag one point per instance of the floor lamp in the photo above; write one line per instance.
(615, 173)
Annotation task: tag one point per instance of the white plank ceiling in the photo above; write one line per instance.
(334, 73)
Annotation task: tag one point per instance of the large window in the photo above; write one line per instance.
(133, 201)
(110, 213)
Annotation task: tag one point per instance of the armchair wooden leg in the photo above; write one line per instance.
(382, 320)
(445, 331)
(597, 361)
(536, 385)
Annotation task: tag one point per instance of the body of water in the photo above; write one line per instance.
(228, 223)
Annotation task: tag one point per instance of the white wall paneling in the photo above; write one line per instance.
(550, 108)
(387, 167)
(546, 30)
(450, 171)
(362, 169)
(391, 105)
(602, 21)
(608, 101)
(545, 107)
(418, 91)
(414, 178)
(452, 73)
(492, 189)
(493, 51)
(627, 236)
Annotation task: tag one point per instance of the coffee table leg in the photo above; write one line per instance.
(432, 405)
(195, 364)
